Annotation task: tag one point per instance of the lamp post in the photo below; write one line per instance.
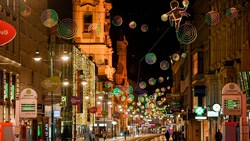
(51, 60)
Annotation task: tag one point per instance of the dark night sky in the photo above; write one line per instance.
(159, 39)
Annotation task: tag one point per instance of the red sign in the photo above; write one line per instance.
(93, 109)
(7, 32)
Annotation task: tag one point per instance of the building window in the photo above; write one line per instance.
(198, 63)
(87, 21)
(13, 88)
(8, 3)
(7, 86)
(195, 63)
(14, 5)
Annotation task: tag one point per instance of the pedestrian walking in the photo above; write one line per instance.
(93, 135)
(167, 135)
(125, 134)
(218, 135)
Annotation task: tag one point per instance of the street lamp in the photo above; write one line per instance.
(38, 57)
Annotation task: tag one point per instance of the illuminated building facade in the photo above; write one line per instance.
(218, 56)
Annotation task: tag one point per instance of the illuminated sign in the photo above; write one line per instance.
(200, 117)
(231, 105)
(212, 114)
(75, 100)
(199, 111)
(231, 99)
(7, 32)
(28, 103)
(28, 108)
(51, 84)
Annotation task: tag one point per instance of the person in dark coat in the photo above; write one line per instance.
(167, 135)
(218, 135)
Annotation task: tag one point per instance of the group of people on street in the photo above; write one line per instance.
(179, 137)
(176, 136)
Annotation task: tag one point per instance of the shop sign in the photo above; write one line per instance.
(75, 100)
(51, 84)
(28, 93)
(93, 109)
(7, 32)
(212, 114)
(231, 99)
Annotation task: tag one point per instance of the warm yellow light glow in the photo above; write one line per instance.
(100, 97)
(65, 56)
(37, 56)
(65, 82)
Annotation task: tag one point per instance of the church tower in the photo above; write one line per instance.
(92, 38)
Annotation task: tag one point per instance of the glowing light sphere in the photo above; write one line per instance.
(144, 27)
(117, 20)
(184, 55)
(212, 18)
(160, 79)
(131, 107)
(49, 18)
(132, 24)
(67, 28)
(117, 91)
(110, 94)
(131, 97)
(155, 95)
(164, 17)
(152, 105)
(25, 10)
(141, 98)
(129, 89)
(175, 57)
(187, 33)
(157, 90)
(95, 30)
(167, 77)
(138, 103)
(168, 87)
(142, 85)
(150, 58)
(108, 84)
(164, 65)
(142, 107)
(133, 103)
(123, 98)
(232, 12)
(163, 89)
(159, 102)
(129, 100)
(185, 3)
(151, 81)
